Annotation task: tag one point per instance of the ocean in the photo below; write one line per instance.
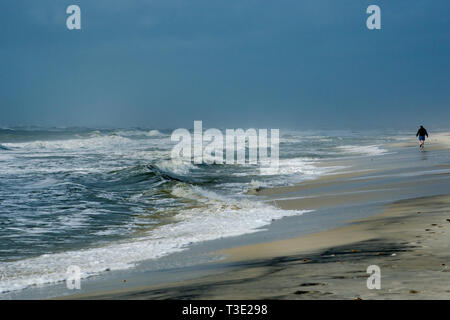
(108, 199)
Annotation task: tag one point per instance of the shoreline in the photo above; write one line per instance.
(406, 238)
(436, 141)
(408, 241)
(343, 202)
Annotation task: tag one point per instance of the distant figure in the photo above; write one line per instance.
(421, 133)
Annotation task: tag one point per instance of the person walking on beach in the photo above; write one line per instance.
(421, 133)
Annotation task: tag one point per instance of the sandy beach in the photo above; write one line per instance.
(407, 238)
(205, 150)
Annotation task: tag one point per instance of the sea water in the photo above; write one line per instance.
(107, 199)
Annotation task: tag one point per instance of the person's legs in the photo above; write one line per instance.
(421, 141)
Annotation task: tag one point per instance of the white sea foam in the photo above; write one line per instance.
(371, 150)
(219, 217)
(81, 155)
(306, 167)
(94, 142)
(176, 166)
(214, 215)
(153, 133)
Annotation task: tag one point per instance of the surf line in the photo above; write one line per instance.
(199, 310)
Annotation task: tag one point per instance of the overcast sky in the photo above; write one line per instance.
(230, 63)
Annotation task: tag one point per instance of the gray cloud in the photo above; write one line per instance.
(166, 63)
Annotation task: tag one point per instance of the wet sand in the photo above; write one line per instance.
(434, 142)
(408, 239)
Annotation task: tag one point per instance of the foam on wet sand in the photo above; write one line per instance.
(407, 239)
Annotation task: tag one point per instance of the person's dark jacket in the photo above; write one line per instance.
(422, 132)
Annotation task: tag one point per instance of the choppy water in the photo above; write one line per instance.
(108, 199)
